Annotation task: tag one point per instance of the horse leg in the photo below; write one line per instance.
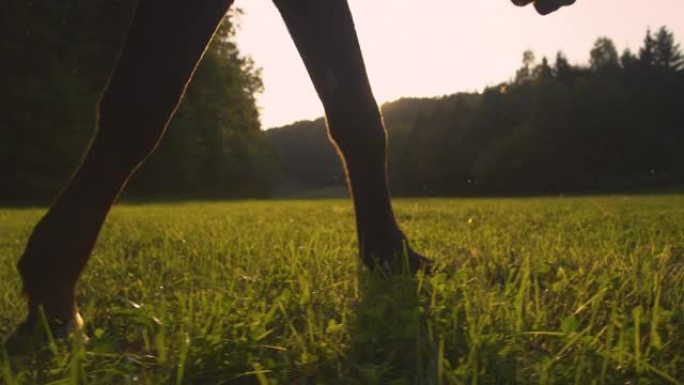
(164, 45)
(324, 34)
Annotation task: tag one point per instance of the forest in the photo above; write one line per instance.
(57, 57)
(613, 124)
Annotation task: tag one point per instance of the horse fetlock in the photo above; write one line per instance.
(392, 253)
(47, 291)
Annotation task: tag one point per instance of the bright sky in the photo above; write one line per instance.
(438, 47)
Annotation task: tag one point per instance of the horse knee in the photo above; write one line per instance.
(357, 131)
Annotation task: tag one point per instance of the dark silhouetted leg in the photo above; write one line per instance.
(166, 40)
(324, 34)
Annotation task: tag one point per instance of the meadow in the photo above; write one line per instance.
(582, 290)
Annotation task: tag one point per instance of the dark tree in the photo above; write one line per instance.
(667, 53)
(603, 55)
(647, 51)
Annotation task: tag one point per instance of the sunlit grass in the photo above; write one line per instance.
(526, 291)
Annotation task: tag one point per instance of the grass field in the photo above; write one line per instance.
(526, 291)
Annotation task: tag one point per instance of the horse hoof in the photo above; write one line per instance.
(35, 335)
(403, 261)
(421, 263)
(521, 3)
(544, 7)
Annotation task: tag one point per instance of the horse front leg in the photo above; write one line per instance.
(163, 47)
(324, 34)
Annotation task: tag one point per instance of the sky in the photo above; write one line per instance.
(437, 47)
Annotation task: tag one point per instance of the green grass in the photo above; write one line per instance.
(526, 291)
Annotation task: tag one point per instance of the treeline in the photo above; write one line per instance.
(613, 124)
(56, 59)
